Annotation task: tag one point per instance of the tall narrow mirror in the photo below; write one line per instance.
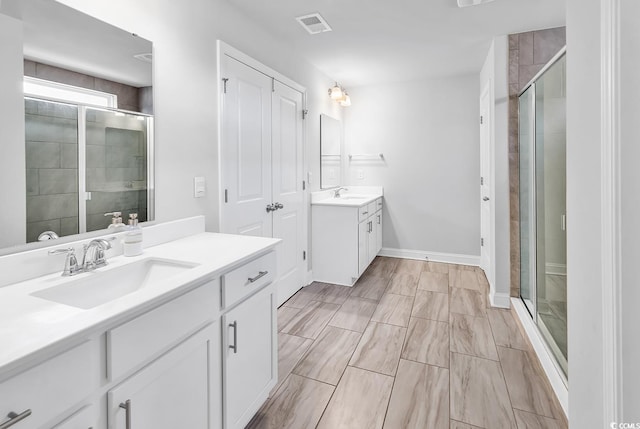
(330, 152)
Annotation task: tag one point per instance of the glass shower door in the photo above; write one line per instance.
(543, 242)
(551, 239)
(527, 122)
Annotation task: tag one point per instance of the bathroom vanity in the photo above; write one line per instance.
(346, 233)
(190, 342)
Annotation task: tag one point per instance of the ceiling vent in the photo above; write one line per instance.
(465, 3)
(314, 23)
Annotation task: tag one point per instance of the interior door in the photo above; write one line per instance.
(486, 241)
(288, 193)
(245, 151)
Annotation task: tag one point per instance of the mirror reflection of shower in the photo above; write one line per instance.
(543, 241)
(82, 162)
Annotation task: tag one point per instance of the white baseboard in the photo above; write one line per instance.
(423, 255)
(555, 269)
(549, 364)
(309, 279)
(500, 300)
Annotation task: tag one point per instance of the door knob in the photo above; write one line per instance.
(271, 208)
(485, 198)
(278, 206)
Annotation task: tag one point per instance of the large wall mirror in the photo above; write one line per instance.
(330, 152)
(82, 145)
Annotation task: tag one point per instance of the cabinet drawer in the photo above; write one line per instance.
(53, 387)
(363, 213)
(245, 280)
(372, 207)
(146, 336)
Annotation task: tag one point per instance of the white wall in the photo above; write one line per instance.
(185, 88)
(585, 341)
(12, 161)
(428, 133)
(630, 200)
(495, 70)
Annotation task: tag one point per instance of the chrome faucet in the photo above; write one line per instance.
(94, 256)
(336, 192)
(71, 267)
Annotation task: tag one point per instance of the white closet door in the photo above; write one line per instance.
(245, 151)
(288, 221)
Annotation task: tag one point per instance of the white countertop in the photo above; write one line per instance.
(347, 200)
(32, 328)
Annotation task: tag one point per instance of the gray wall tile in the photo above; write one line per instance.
(47, 207)
(69, 225)
(69, 155)
(547, 43)
(56, 74)
(58, 181)
(32, 182)
(525, 46)
(48, 129)
(42, 155)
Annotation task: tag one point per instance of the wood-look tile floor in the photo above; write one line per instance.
(412, 345)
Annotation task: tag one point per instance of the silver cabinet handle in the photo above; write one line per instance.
(378, 219)
(485, 198)
(260, 275)
(233, 347)
(127, 408)
(370, 226)
(15, 418)
(364, 213)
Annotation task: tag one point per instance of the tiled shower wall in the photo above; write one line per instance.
(51, 134)
(116, 154)
(528, 54)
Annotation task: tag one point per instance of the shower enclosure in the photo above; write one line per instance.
(83, 162)
(543, 241)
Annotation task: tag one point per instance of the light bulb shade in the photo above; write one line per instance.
(346, 100)
(336, 92)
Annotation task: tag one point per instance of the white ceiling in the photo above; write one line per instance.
(377, 41)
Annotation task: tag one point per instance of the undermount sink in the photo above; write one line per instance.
(89, 290)
(351, 197)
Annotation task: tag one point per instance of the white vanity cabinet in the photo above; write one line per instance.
(201, 358)
(250, 361)
(176, 388)
(174, 391)
(346, 238)
(46, 392)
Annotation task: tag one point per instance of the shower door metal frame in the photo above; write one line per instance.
(533, 230)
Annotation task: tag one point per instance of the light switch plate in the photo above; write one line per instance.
(360, 173)
(199, 187)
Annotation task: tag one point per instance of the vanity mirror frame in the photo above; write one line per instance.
(11, 10)
(331, 156)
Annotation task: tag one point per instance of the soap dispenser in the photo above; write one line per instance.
(116, 220)
(132, 242)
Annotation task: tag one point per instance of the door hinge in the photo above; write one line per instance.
(273, 84)
(304, 255)
(305, 112)
(481, 120)
(482, 180)
(226, 195)
(482, 242)
(304, 185)
(224, 84)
